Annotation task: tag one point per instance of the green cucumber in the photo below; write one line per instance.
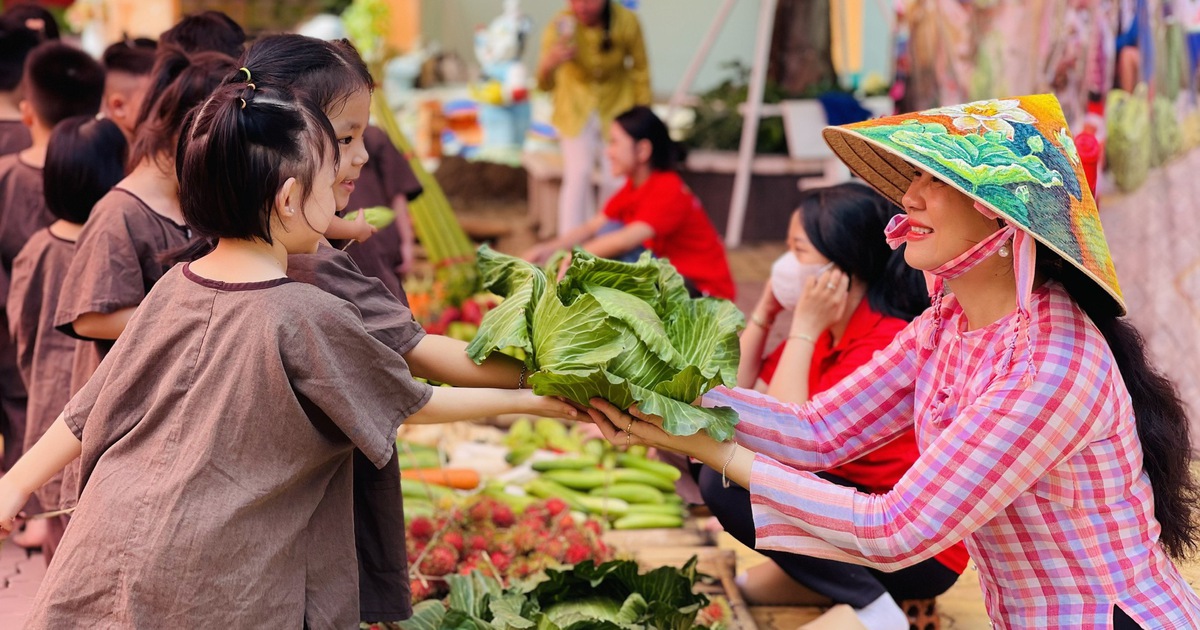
(633, 493)
(418, 459)
(543, 488)
(662, 469)
(662, 510)
(648, 521)
(634, 475)
(419, 490)
(565, 463)
(604, 506)
(579, 479)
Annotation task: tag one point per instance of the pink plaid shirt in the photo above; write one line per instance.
(1042, 479)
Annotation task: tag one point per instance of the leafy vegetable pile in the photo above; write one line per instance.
(612, 596)
(625, 332)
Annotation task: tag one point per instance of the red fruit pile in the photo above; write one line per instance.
(486, 535)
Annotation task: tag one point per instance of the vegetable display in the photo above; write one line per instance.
(612, 595)
(626, 332)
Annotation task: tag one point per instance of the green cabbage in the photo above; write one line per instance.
(626, 332)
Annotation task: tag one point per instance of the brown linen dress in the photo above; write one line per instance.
(44, 354)
(216, 465)
(383, 582)
(22, 212)
(14, 136)
(385, 176)
(117, 261)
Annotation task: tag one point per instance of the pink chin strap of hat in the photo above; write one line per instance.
(1024, 263)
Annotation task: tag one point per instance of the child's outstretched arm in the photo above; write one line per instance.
(445, 360)
(466, 403)
(51, 454)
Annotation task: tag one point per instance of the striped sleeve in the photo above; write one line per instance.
(985, 457)
(863, 411)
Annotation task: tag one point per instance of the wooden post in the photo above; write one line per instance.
(706, 44)
(754, 101)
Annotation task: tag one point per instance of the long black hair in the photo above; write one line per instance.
(845, 223)
(321, 72)
(238, 149)
(179, 82)
(641, 123)
(1162, 422)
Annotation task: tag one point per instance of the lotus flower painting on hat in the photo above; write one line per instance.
(1015, 156)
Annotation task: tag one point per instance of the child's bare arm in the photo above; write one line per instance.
(49, 455)
(467, 403)
(103, 325)
(445, 360)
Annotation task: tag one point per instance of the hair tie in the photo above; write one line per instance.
(251, 86)
(243, 102)
(247, 71)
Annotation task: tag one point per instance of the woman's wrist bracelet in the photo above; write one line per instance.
(803, 337)
(521, 378)
(759, 320)
(732, 453)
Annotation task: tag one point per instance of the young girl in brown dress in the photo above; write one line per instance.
(334, 77)
(85, 158)
(216, 437)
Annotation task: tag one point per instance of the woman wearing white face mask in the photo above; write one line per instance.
(850, 294)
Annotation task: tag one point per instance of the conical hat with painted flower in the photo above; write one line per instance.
(1015, 156)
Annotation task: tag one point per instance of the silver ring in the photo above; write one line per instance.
(829, 285)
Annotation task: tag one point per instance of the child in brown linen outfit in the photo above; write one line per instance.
(86, 158)
(16, 42)
(216, 436)
(335, 78)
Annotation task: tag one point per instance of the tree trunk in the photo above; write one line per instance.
(801, 48)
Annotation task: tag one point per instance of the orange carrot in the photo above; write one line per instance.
(460, 478)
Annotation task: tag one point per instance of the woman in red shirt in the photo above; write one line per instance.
(653, 211)
(850, 295)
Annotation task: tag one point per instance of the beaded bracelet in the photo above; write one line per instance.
(521, 379)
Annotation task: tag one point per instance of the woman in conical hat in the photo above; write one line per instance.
(1048, 442)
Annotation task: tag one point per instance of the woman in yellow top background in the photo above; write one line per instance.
(594, 62)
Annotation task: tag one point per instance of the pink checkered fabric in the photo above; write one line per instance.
(1042, 479)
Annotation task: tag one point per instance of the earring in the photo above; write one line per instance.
(289, 210)
(1004, 251)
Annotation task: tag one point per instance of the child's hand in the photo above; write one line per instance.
(546, 406)
(361, 229)
(12, 499)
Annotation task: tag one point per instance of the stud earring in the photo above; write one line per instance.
(289, 210)
(1004, 251)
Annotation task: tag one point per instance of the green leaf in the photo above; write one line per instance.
(575, 335)
(706, 333)
(640, 317)
(583, 385)
(427, 615)
(508, 612)
(521, 284)
(506, 326)
(586, 270)
(681, 418)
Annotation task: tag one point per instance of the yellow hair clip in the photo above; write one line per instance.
(247, 71)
